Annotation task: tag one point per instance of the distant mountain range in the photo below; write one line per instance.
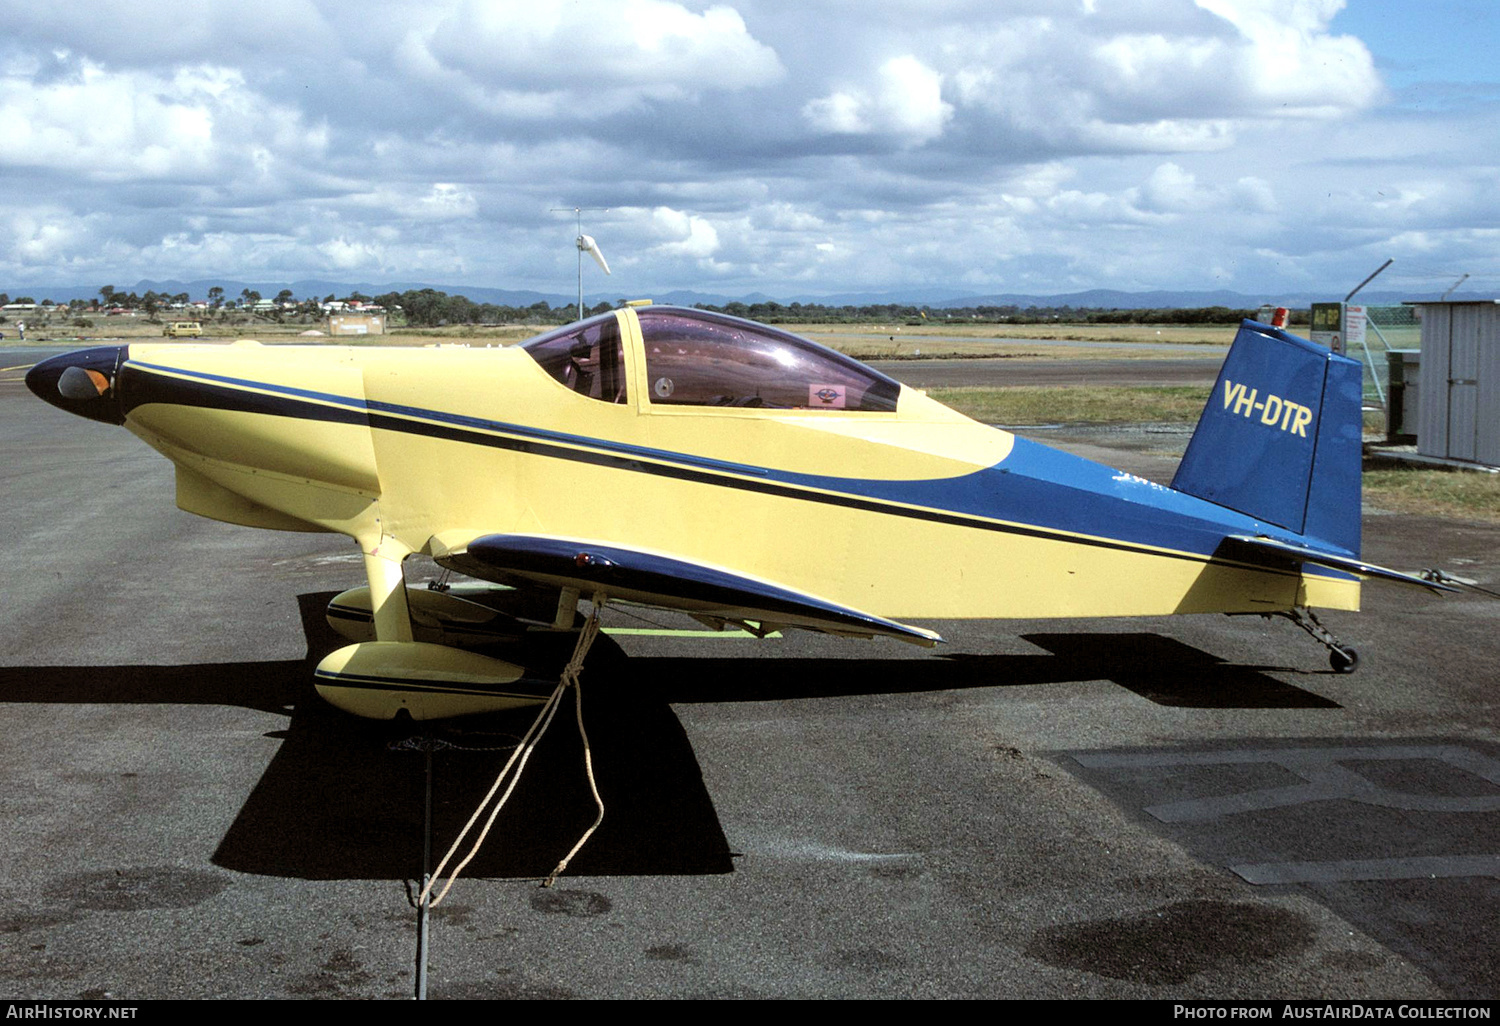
(916, 296)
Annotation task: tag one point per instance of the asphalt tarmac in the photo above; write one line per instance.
(1190, 807)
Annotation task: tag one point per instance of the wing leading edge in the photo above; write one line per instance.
(648, 578)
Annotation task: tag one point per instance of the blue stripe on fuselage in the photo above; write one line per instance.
(1056, 491)
(454, 419)
(1036, 490)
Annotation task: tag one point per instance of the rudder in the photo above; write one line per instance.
(1279, 439)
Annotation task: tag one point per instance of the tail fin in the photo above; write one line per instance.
(1280, 438)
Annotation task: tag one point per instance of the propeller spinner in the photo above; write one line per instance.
(82, 382)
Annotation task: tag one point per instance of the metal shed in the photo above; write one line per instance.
(1459, 417)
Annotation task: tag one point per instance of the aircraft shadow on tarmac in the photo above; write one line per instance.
(343, 798)
(1159, 669)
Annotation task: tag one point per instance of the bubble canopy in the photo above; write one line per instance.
(697, 358)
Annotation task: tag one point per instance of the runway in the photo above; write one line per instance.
(1168, 808)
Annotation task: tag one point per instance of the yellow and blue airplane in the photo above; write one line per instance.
(749, 477)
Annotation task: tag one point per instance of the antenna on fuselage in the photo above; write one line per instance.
(585, 244)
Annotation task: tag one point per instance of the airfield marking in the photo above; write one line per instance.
(1325, 779)
(1430, 867)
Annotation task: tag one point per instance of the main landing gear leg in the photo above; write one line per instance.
(1341, 657)
(388, 590)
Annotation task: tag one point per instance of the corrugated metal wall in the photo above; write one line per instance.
(1460, 409)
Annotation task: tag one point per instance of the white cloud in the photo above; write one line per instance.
(748, 144)
(687, 234)
(145, 33)
(905, 101)
(585, 59)
(785, 217)
(1170, 189)
(357, 255)
(1253, 194)
(1041, 180)
(198, 123)
(838, 112)
(446, 202)
(42, 236)
(911, 99)
(1171, 76)
(1287, 57)
(1423, 243)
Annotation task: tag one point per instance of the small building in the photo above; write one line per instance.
(356, 324)
(1459, 414)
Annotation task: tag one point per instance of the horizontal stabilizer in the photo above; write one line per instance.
(1285, 551)
(647, 578)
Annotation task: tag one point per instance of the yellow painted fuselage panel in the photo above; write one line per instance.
(455, 443)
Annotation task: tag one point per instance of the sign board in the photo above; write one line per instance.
(1354, 327)
(1328, 325)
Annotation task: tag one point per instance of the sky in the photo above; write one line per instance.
(787, 148)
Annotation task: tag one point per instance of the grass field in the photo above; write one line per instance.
(1469, 495)
(1082, 404)
(947, 341)
(1179, 334)
(864, 341)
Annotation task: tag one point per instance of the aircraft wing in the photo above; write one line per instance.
(1280, 550)
(711, 594)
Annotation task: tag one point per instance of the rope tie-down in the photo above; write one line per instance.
(518, 759)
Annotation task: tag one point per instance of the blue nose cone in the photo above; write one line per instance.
(83, 382)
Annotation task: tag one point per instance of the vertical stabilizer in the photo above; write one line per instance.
(1280, 438)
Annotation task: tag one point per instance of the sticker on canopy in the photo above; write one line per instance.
(830, 397)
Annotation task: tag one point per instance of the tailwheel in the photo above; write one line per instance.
(1341, 657)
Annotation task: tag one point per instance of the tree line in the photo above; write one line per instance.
(818, 313)
(432, 308)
